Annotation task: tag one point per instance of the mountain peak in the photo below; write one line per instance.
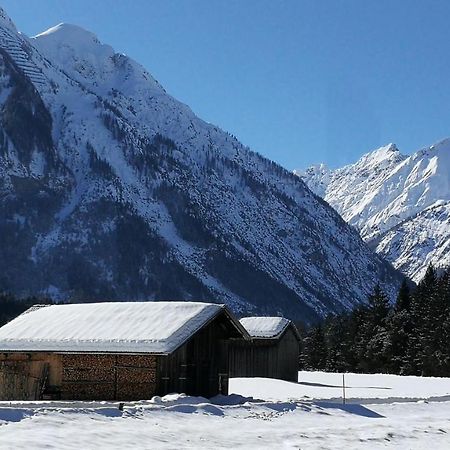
(387, 152)
(65, 31)
(78, 51)
(72, 35)
(392, 147)
(152, 202)
(85, 58)
(398, 203)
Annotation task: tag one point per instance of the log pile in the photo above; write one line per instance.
(108, 377)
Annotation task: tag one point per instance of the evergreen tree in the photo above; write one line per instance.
(412, 337)
(403, 301)
(338, 344)
(434, 349)
(378, 308)
(315, 349)
(417, 360)
(373, 342)
(355, 324)
(399, 328)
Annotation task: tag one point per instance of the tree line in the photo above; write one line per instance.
(409, 337)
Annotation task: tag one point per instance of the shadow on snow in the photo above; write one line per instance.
(306, 383)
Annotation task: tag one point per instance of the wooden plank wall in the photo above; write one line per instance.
(269, 358)
(200, 366)
(22, 379)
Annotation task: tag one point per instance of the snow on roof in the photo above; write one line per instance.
(265, 327)
(120, 327)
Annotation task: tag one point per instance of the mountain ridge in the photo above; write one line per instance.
(119, 191)
(391, 199)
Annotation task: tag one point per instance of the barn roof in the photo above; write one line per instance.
(266, 327)
(120, 327)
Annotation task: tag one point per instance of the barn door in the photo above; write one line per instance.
(223, 383)
(223, 366)
(22, 380)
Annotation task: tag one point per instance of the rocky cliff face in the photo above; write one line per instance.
(112, 189)
(399, 203)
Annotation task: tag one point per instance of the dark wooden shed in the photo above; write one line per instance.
(272, 351)
(117, 351)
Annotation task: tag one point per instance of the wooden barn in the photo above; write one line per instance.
(272, 352)
(117, 351)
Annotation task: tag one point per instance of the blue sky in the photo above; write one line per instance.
(299, 81)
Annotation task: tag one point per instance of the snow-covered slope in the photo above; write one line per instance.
(419, 241)
(400, 204)
(112, 189)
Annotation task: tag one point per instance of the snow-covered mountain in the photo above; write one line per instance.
(399, 203)
(111, 188)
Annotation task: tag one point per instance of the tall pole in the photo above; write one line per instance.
(343, 388)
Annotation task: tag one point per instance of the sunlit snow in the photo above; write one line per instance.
(382, 411)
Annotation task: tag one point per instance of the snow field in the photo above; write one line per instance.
(360, 388)
(282, 418)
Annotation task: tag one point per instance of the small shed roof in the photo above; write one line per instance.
(266, 327)
(119, 327)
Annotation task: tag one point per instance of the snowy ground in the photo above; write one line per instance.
(382, 411)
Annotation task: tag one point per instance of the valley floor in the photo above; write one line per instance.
(382, 411)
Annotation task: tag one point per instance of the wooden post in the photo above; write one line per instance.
(343, 388)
